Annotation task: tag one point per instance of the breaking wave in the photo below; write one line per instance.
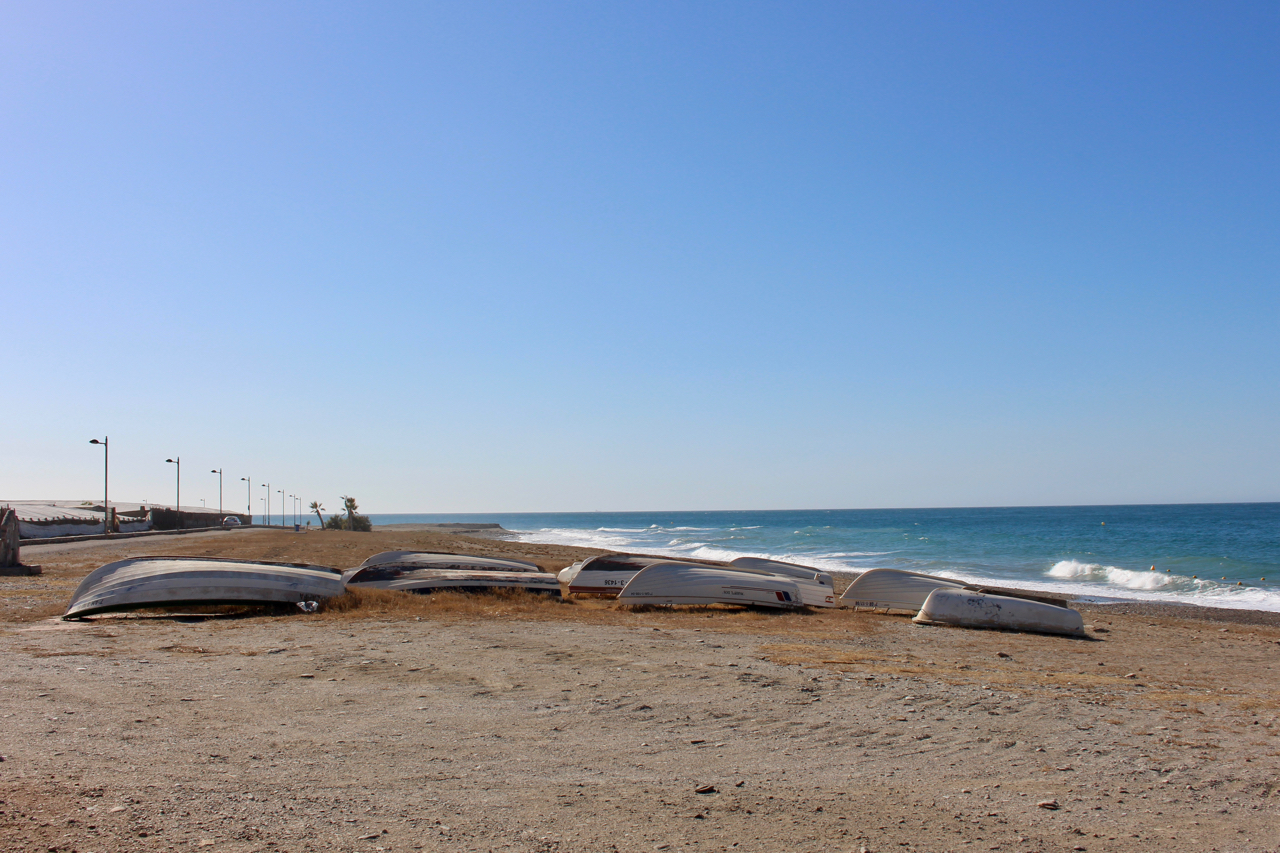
(1126, 578)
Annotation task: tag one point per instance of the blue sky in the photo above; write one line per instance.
(569, 256)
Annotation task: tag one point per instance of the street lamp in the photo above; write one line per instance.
(266, 502)
(281, 491)
(106, 507)
(218, 471)
(248, 486)
(178, 499)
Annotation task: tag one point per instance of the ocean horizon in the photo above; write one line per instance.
(1217, 555)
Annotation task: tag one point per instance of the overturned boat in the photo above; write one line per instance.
(424, 580)
(607, 574)
(173, 581)
(817, 588)
(969, 609)
(448, 562)
(892, 589)
(689, 583)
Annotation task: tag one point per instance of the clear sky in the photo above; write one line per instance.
(606, 256)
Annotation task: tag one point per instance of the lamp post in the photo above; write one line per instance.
(266, 502)
(282, 522)
(248, 485)
(218, 471)
(177, 504)
(106, 507)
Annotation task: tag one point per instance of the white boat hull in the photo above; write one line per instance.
(169, 581)
(983, 610)
(606, 574)
(816, 588)
(685, 583)
(891, 589)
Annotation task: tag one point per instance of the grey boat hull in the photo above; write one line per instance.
(449, 562)
(684, 583)
(426, 581)
(171, 581)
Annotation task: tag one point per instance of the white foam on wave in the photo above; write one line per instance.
(576, 538)
(1111, 583)
(1126, 578)
(855, 554)
(724, 555)
(818, 564)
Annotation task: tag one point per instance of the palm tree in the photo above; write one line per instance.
(349, 507)
(318, 508)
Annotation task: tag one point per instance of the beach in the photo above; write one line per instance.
(505, 723)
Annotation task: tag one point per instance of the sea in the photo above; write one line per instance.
(1217, 555)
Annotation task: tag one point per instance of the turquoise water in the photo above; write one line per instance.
(1222, 555)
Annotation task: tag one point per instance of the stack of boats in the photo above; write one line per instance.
(423, 572)
(632, 579)
(148, 582)
(945, 601)
(639, 579)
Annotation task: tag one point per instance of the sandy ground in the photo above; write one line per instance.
(508, 724)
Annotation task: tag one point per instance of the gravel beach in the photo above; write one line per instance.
(504, 724)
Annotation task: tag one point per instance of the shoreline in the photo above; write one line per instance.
(1127, 606)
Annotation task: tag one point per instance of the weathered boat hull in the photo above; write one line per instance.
(607, 574)
(449, 562)
(891, 589)
(170, 581)
(685, 583)
(426, 581)
(817, 588)
(968, 609)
